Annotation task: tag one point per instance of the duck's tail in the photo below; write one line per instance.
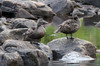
(58, 30)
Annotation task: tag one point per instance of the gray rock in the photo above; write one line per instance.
(33, 57)
(10, 59)
(62, 46)
(92, 2)
(98, 25)
(61, 7)
(89, 13)
(30, 54)
(90, 21)
(86, 11)
(22, 23)
(22, 13)
(45, 48)
(16, 45)
(26, 9)
(12, 34)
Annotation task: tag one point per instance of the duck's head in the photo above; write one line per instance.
(40, 22)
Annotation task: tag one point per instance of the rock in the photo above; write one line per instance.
(61, 7)
(62, 46)
(22, 23)
(85, 11)
(22, 13)
(45, 48)
(39, 0)
(30, 54)
(33, 57)
(97, 51)
(75, 57)
(90, 21)
(10, 59)
(12, 34)
(92, 2)
(8, 9)
(10, 45)
(98, 25)
(32, 9)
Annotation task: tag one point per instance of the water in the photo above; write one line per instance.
(85, 63)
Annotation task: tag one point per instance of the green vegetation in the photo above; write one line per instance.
(90, 33)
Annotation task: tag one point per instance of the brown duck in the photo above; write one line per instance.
(35, 34)
(69, 26)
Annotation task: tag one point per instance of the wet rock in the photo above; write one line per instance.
(62, 46)
(75, 57)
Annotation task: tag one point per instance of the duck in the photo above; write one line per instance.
(34, 34)
(69, 26)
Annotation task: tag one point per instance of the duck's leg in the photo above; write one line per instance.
(66, 36)
(71, 36)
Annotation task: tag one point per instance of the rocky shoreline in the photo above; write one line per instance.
(22, 27)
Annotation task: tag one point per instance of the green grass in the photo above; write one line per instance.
(90, 33)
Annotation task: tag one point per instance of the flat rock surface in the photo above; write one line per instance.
(62, 46)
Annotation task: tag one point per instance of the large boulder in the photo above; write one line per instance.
(62, 8)
(10, 59)
(30, 55)
(63, 46)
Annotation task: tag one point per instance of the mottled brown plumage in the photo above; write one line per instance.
(35, 34)
(69, 26)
